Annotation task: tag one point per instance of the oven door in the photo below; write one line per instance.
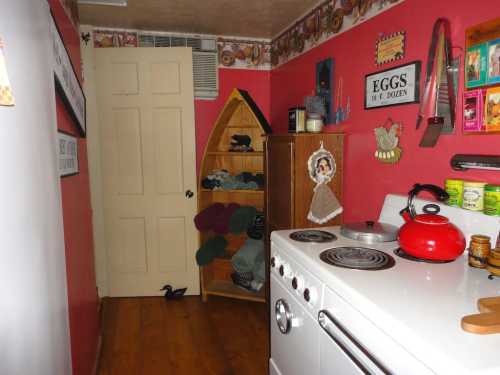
(294, 334)
(340, 353)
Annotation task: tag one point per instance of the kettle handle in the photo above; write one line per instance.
(438, 192)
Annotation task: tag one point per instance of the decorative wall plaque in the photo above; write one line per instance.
(393, 86)
(390, 48)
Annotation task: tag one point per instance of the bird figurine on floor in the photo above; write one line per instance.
(170, 293)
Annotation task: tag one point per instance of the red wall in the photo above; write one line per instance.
(366, 180)
(256, 82)
(77, 215)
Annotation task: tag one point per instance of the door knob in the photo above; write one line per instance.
(189, 194)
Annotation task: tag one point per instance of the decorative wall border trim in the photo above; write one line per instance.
(327, 20)
(233, 52)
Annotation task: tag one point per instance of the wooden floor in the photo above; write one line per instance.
(149, 336)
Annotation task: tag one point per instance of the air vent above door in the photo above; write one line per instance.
(205, 77)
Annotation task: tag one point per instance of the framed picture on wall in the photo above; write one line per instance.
(493, 61)
(66, 81)
(394, 86)
(475, 65)
(67, 152)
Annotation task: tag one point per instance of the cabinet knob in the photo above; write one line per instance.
(189, 194)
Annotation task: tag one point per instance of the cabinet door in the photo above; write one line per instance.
(279, 182)
(305, 145)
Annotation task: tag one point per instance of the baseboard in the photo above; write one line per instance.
(97, 361)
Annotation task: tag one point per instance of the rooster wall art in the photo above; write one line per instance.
(388, 150)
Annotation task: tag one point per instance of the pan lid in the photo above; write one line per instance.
(370, 231)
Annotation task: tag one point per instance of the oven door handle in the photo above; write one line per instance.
(326, 320)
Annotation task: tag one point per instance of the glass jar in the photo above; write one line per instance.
(314, 123)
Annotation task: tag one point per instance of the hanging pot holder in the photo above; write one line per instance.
(324, 205)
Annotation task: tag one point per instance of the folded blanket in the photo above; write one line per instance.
(204, 220)
(213, 247)
(250, 254)
(241, 219)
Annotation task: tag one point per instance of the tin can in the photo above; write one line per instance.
(479, 249)
(492, 200)
(473, 197)
(455, 189)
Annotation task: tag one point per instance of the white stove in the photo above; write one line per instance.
(401, 319)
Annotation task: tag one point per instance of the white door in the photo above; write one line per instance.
(146, 116)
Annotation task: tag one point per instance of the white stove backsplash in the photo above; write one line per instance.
(469, 222)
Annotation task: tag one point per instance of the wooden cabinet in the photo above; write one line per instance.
(241, 116)
(289, 189)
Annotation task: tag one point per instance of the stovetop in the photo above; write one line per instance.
(418, 304)
(313, 235)
(360, 258)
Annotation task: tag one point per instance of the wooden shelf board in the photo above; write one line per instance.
(233, 191)
(228, 289)
(236, 153)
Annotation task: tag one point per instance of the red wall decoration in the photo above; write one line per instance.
(366, 180)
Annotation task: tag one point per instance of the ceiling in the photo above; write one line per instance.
(244, 18)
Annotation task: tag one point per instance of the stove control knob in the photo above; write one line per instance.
(307, 294)
(297, 283)
(273, 262)
(310, 295)
(282, 270)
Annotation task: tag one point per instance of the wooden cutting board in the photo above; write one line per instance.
(488, 321)
(490, 304)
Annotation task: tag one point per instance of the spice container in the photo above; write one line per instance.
(297, 120)
(493, 262)
(473, 197)
(314, 123)
(479, 249)
(455, 189)
(492, 200)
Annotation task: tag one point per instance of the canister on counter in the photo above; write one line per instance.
(473, 197)
(492, 200)
(455, 189)
(479, 249)
(297, 120)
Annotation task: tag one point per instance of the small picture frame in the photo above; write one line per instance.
(473, 115)
(390, 48)
(493, 62)
(492, 109)
(67, 152)
(476, 65)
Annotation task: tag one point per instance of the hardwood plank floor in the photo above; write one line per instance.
(150, 336)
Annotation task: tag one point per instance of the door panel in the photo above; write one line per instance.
(146, 113)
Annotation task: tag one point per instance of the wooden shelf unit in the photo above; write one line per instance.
(240, 115)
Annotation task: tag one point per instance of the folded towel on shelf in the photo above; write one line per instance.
(241, 219)
(221, 221)
(248, 256)
(212, 248)
(204, 220)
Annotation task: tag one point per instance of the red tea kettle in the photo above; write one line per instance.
(429, 236)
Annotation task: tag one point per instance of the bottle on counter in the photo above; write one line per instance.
(479, 249)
